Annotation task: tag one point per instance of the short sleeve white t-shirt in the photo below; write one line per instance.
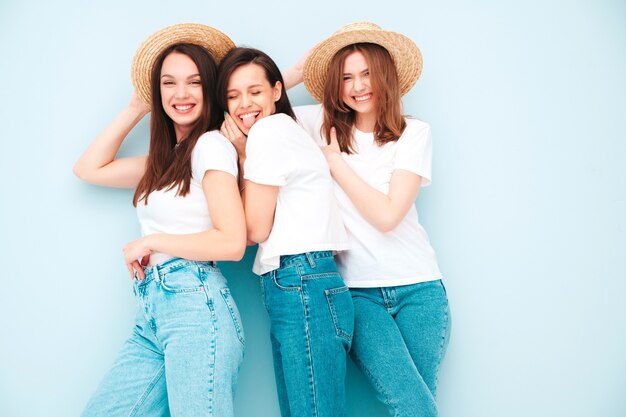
(281, 153)
(171, 214)
(404, 255)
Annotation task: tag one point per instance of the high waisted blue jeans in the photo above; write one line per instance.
(184, 353)
(400, 337)
(312, 321)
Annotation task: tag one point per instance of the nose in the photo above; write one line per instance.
(245, 101)
(358, 85)
(181, 91)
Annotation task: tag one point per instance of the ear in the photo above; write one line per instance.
(277, 91)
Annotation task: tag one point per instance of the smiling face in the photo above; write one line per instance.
(250, 97)
(357, 92)
(181, 92)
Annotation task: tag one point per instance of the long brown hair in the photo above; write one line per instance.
(169, 164)
(390, 122)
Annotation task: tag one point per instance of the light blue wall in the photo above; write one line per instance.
(527, 102)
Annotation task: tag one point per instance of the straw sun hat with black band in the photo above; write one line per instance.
(215, 42)
(405, 54)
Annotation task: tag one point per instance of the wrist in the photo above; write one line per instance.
(150, 241)
(135, 113)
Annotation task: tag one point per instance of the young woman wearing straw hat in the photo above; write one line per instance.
(291, 212)
(379, 159)
(184, 353)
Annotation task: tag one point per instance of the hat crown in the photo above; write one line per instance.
(358, 26)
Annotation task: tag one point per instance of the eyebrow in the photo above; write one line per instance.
(191, 76)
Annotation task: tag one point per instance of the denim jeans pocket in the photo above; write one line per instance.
(182, 280)
(341, 311)
(234, 313)
(287, 279)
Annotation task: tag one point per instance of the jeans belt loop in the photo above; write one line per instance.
(155, 271)
(309, 258)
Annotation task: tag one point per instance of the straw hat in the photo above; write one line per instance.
(405, 54)
(215, 42)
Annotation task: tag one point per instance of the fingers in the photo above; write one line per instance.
(229, 129)
(333, 142)
(140, 274)
(234, 129)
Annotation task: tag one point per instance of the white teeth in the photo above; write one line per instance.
(362, 98)
(245, 116)
(183, 108)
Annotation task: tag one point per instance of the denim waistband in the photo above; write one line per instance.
(308, 257)
(173, 264)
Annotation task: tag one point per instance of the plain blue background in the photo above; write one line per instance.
(527, 102)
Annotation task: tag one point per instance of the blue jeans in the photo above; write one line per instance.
(185, 351)
(312, 321)
(400, 337)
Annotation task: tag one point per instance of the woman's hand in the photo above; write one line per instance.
(138, 106)
(294, 75)
(231, 131)
(98, 165)
(332, 150)
(137, 254)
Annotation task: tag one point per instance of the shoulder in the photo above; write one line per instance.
(415, 125)
(279, 120)
(415, 130)
(309, 112)
(273, 127)
(214, 141)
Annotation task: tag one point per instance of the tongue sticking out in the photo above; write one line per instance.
(249, 121)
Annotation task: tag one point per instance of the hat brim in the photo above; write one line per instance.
(215, 42)
(405, 54)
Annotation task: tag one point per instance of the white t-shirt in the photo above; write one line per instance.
(171, 214)
(280, 153)
(404, 255)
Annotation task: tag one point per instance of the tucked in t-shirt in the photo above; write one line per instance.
(376, 259)
(280, 153)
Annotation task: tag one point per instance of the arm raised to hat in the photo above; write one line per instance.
(293, 76)
(97, 165)
(383, 211)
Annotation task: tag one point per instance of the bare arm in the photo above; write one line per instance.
(97, 165)
(383, 211)
(293, 75)
(224, 242)
(259, 201)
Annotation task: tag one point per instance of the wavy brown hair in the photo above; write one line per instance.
(390, 122)
(169, 164)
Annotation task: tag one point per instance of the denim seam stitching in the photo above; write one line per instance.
(333, 313)
(238, 327)
(309, 354)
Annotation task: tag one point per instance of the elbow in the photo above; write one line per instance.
(258, 236)
(78, 171)
(236, 249)
(387, 224)
(83, 173)
(259, 231)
